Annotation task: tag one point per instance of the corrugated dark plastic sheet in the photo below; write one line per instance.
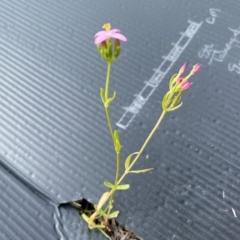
(54, 141)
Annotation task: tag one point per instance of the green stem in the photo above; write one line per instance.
(136, 158)
(107, 81)
(106, 98)
(143, 146)
(111, 132)
(114, 189)
(109, 125)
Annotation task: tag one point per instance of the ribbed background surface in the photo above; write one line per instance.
(23, 215)
(53, 134)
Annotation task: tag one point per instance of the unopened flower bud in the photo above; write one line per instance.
(117, 48)
(116, 43)
(103, 44)
(182, 69)
(179, 79)
(180, 72)
(195, 68)
(186, 85)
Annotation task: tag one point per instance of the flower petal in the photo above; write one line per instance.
(100, 39)
(100, 33)
(114, 31)
(119, 36)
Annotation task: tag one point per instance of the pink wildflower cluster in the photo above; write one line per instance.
(185, 84)
(177, 84)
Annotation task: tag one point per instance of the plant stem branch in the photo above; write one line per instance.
(115, 187)
(109, 124)
(143, 146)
(111, 132)
(107, 80)
(135, 159)
(109, 65)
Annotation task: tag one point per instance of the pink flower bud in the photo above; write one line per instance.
(179, 79)
(186, 85)
(196, 68)
(182, 69)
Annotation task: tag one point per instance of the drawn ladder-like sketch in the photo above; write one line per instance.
(159, 73)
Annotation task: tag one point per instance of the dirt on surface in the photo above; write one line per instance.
(114, 230)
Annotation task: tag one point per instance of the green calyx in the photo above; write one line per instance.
(108, 51)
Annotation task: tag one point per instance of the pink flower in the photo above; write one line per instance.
(186, 85)
(101, 36)
(195, 69)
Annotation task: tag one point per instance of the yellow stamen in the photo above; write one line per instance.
(107, 26)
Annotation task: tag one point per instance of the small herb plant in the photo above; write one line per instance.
(109, 47)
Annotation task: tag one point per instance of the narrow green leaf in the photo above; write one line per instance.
(119, 187)
(106, 104)
(128, 160)
(172, 81)
(117, 146)
(176, 99)
(85, 217)
(102, 200)
(165, 100)
(101, 212)
(108, 101)
(175, 108)
(114, 214)
(117, 141)
(123, 187)
(114, 96)
(108, 184)
(99, 227)
(102, 93)
(116, 135)
(141, 171)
